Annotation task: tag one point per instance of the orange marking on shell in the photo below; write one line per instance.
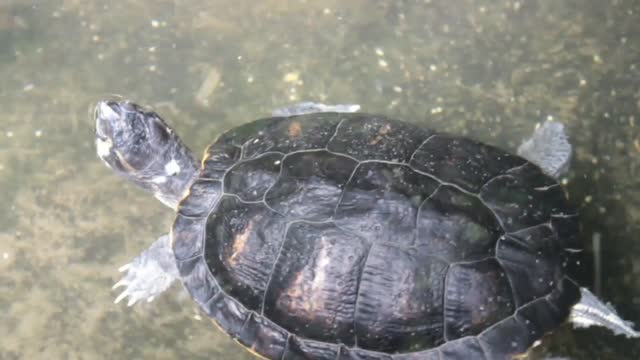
(384, 129)
(295, 129)
(382, 133)
(240, 242)
(305, 297)
(375, 140)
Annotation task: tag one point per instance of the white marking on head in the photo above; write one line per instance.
(159, 179)
(106, 111)
(172, 168)
(103, 147)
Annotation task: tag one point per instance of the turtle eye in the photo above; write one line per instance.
(159, 132)
(138, 128)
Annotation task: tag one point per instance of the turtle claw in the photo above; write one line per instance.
(120, 297)
(148, 274)
(120, 283)
(133, 294)
(132, 301)
(144, 279)
(132, 298)
(124, 267)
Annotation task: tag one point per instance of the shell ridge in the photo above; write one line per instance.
(264, 196)
(544, 223)
(344, 189)
(286, 346)
(355, 310)
(335, 133)
(444, 303)
(482, 346)
(507, 274)
(518, 309)
(419, 211)
(421, 145)
(273, 268)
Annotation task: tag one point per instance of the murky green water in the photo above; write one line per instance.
(489, 69)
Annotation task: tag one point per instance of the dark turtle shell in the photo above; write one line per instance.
(353, 236)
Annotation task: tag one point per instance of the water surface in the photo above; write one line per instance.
(487, 69)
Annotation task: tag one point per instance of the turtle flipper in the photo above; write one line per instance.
(149, 274)
(549, 148)
(309, 107)
(591, 311)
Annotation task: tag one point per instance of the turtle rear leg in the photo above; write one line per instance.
(549, 148)
(309, 107)
(149, 274)
(591, 311)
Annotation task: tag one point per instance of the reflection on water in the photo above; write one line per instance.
(489, 69)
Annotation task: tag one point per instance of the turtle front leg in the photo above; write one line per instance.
(549, 148)
(590, 311)
(309, 107)
(149, 274)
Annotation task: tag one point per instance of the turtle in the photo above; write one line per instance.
(323, 232)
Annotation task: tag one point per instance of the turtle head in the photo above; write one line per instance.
(138, 145)
(128, 138)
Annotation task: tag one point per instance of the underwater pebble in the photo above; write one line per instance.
(38, 133)
(208, 86)
(597, 59)
(291, 77)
